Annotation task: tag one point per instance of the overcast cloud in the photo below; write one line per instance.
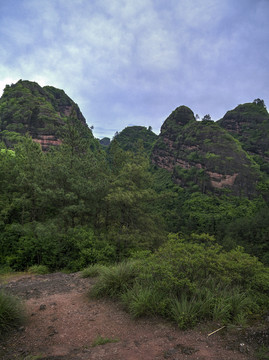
(129, 62)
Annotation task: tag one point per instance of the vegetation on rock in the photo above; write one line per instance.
(76, 205)
(249, 123)
(27, 108)
(202, 155)
(133, 137)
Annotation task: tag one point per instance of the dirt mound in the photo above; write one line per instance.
(64, 324)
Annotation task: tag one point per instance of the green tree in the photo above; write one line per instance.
(130, 219)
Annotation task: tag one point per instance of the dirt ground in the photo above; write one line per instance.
(63, 323)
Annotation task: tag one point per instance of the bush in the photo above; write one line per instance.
(115, 280)
(141, 301)
(38, 269)
(188, 282)
(92, 271)
(11, 313)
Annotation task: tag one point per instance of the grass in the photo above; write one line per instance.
(92, 271)
(103, 340)
(115, 280)
(185, 312)
(188, 283)
(12, 313)
(143, 301)
(39, 270)
(262, 353)
(5, 270)
(5, 278)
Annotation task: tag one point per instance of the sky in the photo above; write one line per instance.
(132, 62)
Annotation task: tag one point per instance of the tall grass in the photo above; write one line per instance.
(12, 313)
(142, 300)
(185, 312)
(38, 270)
(189, 283)
(115, 280)
(92, 271)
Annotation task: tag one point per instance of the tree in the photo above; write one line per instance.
(131, 221)
(259, 102)
(207, 117)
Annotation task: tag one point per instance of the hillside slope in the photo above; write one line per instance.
(27, 108)
(249, 123)
(132, 136)
(204, 156)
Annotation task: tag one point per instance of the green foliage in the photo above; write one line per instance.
(103, 340)
(133, 137)
(204, 157)
(92, 271)
(38, 269)
(189, 281)
(12, 313)
(249, 123)
(251, 232)
(213, 156)
(143, 301)
(115, 280)
(262, 353)
(76, 206)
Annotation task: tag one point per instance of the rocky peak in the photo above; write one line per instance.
(26, 107)
(249, 123)
(181, 116)
(202, 155)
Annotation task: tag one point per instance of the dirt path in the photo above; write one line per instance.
(63, 324)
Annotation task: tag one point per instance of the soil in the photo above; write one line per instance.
(63, 323)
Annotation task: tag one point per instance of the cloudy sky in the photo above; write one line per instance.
(132, 62)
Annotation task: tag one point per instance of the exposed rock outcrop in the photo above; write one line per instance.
(27, 108)
(249, 123)
(201, 154)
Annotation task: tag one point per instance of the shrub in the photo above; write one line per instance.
(115, 280)
(185, 312)
(188, 282)
(38, 269)
(11, 313)
(92, 271)
(141, 300)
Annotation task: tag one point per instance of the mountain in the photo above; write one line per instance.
(105, 142)
(220, 157)
(249, 123)
(26, 107)
(130, 138)
(204, 156)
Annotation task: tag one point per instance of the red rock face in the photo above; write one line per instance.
(184, 164)
(220, 180)
(46, 141)
(166, 162)
(204, 154)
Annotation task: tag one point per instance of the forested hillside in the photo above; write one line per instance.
(27, 108)
(202, 155)
(249, 123)
(75, 204)
(175, 225)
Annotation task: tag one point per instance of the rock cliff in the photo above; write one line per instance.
(204, 156)
(27, 108)
(249, 123)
